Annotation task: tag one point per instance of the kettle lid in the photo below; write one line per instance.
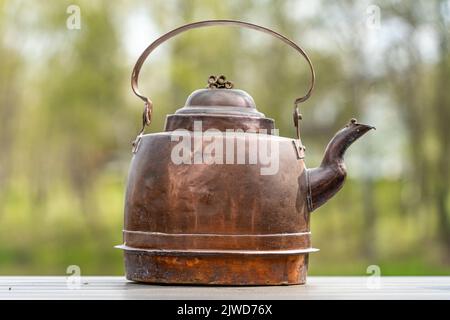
(220, 98)
(218, 104)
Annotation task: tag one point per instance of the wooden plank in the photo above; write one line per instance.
(316, 288)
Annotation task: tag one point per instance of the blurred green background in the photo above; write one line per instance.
(67, 117)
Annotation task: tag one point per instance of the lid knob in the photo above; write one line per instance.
(219, 82)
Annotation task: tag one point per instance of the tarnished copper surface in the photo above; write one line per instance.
(224, 223)
(220, 269)
(216, 207)
(219, 122)
(213, 198)
(207, 241)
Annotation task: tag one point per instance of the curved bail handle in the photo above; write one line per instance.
(148, 104)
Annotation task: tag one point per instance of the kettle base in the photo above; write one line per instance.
(234, 269)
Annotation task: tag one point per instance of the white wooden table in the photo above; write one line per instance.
(316, 288)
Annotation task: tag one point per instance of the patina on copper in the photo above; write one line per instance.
(219, 223)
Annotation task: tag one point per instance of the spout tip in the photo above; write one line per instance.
(354, 122)
(342, 140)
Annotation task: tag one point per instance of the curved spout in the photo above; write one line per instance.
(325, 181)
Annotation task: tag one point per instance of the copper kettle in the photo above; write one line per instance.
(202, 208)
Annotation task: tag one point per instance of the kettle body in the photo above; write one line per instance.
(218, 197)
